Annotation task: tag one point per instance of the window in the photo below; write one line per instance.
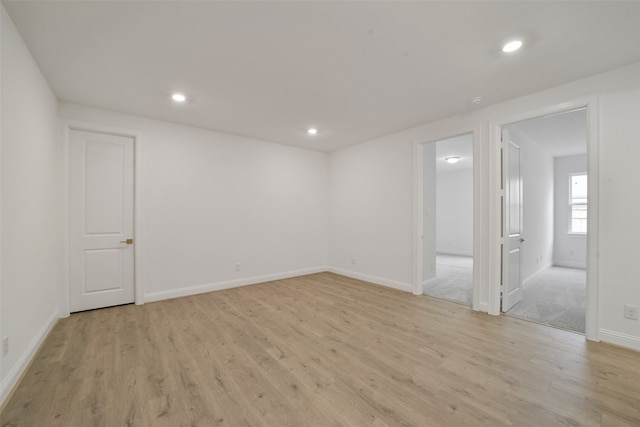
(578, 203)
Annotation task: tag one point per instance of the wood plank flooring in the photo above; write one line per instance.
(320, 350)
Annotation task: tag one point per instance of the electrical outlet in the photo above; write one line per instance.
(5, 346)
(237, 266)
(631, 312)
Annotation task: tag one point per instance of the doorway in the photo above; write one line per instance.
(545, 216)
(447, 208)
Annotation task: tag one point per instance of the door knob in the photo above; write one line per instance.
(128, 241)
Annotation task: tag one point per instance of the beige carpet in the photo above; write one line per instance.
(454, 279)
(556, 297)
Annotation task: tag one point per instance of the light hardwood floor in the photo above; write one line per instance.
(320, 350)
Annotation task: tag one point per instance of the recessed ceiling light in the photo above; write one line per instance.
(512, 46)
(178, 97)
(452, 159)
(312, 131)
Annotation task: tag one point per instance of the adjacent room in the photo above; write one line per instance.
(229, 214)
(448, 199)
(553, 158)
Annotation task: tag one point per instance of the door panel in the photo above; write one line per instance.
(101, 263)
(512, 260)
(103, 270)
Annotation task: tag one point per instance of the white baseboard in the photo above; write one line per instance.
(570, 264)
(528, 280)
(483, 306)
(407, 287)
(23, 362)
(453, 252)
(427, 282)
(210, 287)
(617, 338)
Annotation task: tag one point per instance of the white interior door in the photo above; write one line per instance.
(511, 255)
(101, 258)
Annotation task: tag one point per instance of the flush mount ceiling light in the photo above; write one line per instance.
(512, 46)
(312, 131)
(452, 159)
(178, 97)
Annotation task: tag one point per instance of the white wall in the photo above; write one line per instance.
(454, 201)
(430, 208)
(619, 210)
(211, 200)
(537, 201)
(371, 207)
(370, 195)
(31, 207)
(569, 250)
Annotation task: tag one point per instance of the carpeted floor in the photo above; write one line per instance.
(454, 279)
(557, 297)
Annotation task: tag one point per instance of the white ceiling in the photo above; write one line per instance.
(354, 70)
(559, 135)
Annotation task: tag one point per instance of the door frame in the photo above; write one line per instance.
(590, 104)
(418, 223)
(66, 126)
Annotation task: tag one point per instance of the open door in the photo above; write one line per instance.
(512, 214)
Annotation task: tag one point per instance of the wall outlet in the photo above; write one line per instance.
(5, 346)
(354, 261)
(237, 266)
(631, 312)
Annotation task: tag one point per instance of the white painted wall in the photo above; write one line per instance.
(454, 215)
(370, 219)
(31, 206)
(569, 250)
(619, 209)
(430, 208)
(371, 207)
(211, 200)
(537, 201)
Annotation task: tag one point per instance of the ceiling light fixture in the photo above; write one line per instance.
(312, 131)
(512, 46)
(178, 97)
(452, 159)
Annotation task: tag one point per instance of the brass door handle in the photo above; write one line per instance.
(128, 241)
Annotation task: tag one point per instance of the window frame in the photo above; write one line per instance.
(572, 204)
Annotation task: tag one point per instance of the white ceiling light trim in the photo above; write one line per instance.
(512, 46)
(178, 97)
(312, 131)
(452, 159)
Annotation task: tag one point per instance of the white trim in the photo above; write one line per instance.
(453, 252)
(617, 338)
(592, 111)
(14, 376)
(66, 125)
(427, 283)
(407, 287)
(228, 284)
(570, 264)
(535, 274)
